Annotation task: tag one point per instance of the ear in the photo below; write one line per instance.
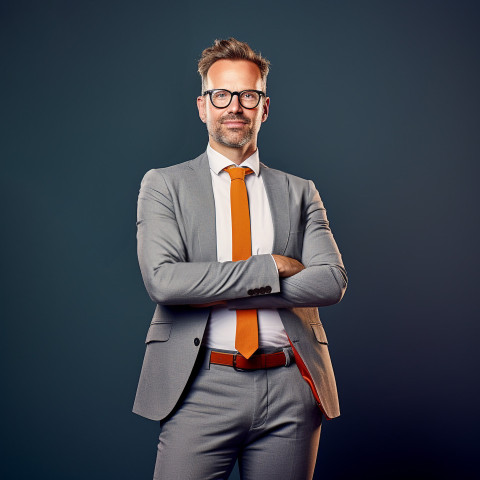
(266, 107)
(202, 113)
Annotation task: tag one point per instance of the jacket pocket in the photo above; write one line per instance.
(319, 333)
(158, 332)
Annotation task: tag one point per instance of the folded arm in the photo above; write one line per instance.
(170, 279)
(322, 282)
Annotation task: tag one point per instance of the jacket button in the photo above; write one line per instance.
(250, 292)
(262, 290)
(196, 342)
(268, 289)
(256, 291)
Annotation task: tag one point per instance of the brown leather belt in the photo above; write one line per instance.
(239, 362)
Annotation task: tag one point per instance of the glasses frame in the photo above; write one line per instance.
(211, 92)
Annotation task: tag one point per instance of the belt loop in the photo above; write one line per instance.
(288, 355)
(206, 359)
(234, 361)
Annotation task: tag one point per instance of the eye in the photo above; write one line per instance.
(220, 94)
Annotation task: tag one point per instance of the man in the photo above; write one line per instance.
(237, 257)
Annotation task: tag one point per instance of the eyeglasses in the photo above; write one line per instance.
(222, 98)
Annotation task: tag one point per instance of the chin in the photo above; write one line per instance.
(232, 145)
(234, 142)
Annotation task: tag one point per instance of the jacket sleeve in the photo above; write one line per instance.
(170, 279)
(323, 281)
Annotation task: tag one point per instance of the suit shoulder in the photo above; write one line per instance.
(170, 172)
(293, 180)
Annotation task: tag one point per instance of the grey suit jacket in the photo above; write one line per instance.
(178, 260)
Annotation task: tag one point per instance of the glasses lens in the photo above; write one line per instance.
(221, 98)
(249, 98)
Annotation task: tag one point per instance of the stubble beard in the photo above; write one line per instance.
(234, 137)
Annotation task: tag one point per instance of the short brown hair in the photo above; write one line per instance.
(231, 49)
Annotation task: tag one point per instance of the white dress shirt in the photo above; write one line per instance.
(220, 332)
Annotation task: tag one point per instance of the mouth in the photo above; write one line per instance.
(234, 123)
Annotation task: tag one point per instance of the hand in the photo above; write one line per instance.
(287, 266)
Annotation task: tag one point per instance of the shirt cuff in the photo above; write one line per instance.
(276, 268)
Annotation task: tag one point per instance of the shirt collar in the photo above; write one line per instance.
(218, 162)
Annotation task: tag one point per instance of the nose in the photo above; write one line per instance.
(235, 106)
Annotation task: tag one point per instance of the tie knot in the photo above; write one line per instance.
(238, 173)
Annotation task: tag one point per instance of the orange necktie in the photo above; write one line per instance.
(246, 337)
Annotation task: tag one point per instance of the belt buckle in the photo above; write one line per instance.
(234, 365)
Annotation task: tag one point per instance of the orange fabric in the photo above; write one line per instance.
(246, 336)
(307, 377)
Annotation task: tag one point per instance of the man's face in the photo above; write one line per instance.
(233, 126)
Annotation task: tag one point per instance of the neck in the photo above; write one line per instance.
(236, 155)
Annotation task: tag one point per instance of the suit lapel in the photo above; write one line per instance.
(277, 193)
(276, 187)
(204, 209)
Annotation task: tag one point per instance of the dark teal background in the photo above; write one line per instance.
(376, 101)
